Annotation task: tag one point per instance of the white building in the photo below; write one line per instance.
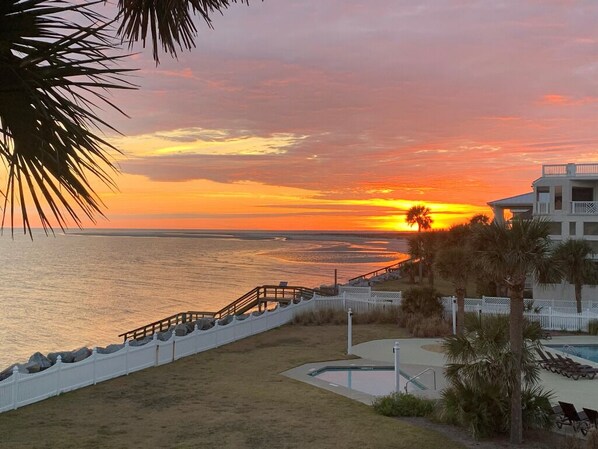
(567, 197)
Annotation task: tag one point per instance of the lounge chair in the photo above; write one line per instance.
(550, 364)
(577, 420)
(559, 417)
(592, 416)
(575, 370)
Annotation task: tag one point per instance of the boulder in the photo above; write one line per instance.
(190, 326)
(7, 372)
(257, 313)
(141, 341)
(241, 317)
(81, 354)
(31, 367)
(165, 336)
(180, 330)
(110, 349)
(65, 357)
(225, 321)
(41, 360)
(205, 323)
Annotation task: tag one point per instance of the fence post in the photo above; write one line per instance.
(94, 354)
(454, 314)
(15, 386)
(155, 341)
(127, 356)
(344, 300)
(396, 349)
(58, 366)
(349, 331)
(550, 317)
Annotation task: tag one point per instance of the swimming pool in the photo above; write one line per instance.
(374, 380)
(588, 352)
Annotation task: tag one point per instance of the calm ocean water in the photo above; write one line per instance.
(83, 289)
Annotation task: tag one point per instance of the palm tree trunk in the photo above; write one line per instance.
(578, 286)
(516, 339)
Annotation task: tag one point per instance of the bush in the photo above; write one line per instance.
(379, 315)
(403, 404)
(593, 327)
(426, 327)
(423, 300)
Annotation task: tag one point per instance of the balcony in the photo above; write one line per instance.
(542, 208)
(571, 170)
(584, 207)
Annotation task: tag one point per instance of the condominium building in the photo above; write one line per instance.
(566, 195)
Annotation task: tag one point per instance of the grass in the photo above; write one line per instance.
(445, 288)
(231, 397)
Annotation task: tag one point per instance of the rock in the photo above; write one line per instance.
(41, 360)
(190, 326)
(65, 357)
(180, 330)
(257, 313)
(7, 372)
(241, 317)
(165, 336)
(225, 321)
(110, 349)
(81, 354)
(31, 367)
(141, 341)
(205, 323)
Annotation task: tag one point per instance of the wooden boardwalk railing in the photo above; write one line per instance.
(379, 271)
(258, 299)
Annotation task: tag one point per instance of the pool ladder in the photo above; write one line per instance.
(571, 350)
(412, 379)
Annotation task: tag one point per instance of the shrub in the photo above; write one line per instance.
(427, 327)
(592, 439)
(593, 327)
(378, 315)
(423, 300)
(403, 404)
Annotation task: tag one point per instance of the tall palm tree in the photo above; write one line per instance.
(54, 74)
(168, 23)
(573, 258)
(512, 252)
(419, 215)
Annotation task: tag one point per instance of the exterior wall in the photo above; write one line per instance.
(564, 291)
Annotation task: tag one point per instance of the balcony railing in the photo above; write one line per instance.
(570, 170)
(542, 208)
(584, 207)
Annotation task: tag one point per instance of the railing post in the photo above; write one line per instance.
(349, 331)
(396, 349)
(15, 386)
(454, 314)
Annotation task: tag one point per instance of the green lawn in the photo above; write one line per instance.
(231, 397)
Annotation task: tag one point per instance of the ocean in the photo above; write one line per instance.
(84, 288)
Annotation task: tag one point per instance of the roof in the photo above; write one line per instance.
(527, 199)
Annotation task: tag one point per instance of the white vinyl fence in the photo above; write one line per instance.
(551, 314)
(23, 388)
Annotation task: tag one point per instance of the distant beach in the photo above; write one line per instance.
(84, 288)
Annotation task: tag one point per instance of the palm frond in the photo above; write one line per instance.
(54, 75)
(168, 23)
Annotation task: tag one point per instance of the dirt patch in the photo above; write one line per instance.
(434, 348)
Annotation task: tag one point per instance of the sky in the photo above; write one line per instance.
(342, 114)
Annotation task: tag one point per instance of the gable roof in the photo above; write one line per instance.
(526, 199)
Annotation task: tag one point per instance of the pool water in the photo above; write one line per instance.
(588, 352)
(377, 381)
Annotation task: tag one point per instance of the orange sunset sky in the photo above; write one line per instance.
(342, 114)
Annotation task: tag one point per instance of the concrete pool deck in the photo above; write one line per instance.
(417, 354)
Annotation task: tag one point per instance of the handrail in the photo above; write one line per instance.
(386, 269)
(572, 350)
(257, 298)
(418, 375)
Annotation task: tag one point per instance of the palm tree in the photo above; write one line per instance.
(419, 215)
(54, 74)
(512, 252)
(169, 23)
(456, 264)
(478, 372)
(574, 259)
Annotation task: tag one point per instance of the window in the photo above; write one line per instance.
(554, 227)
(582, 194)
(594, 245)
(542, 194)
(572, 228)
(590, 228)
(558, 198)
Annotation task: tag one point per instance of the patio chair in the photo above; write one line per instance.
(575, 370)
(550, 364)
(592, 416)
(577, 420)
(559, 417)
